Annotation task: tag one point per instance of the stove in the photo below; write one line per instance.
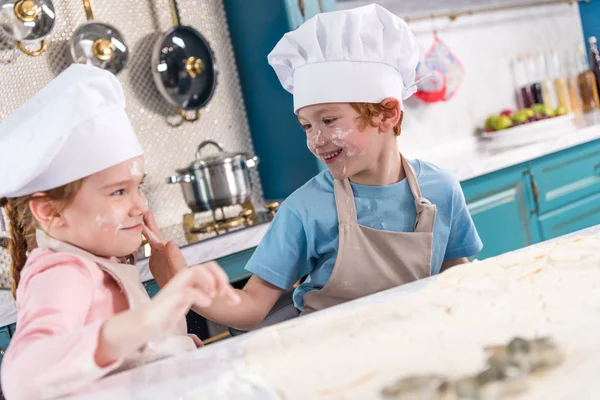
(201, 226)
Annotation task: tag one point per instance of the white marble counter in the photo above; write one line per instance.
(473, 157)
(223, 370)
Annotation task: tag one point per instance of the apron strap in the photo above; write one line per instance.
(425, 210)
(344, 201)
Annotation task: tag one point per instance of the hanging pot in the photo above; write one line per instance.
(27, 22)
(217, 180)
(183, 66)
(98, 44)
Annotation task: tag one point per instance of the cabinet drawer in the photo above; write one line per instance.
(567, 176)
(4, 340)
(570, 218)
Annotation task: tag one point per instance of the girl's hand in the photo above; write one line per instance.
(166, 259)
(196, 286)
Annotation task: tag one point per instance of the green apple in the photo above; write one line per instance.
(562, 110)
(491, 121)
(520, 117)
(538, 109)
(529, 112)
(502, 122)
(548, 111)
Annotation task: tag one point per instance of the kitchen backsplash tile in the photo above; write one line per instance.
(167, 148)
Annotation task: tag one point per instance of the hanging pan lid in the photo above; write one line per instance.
(99, 44)
(184, 66)
(27, 21)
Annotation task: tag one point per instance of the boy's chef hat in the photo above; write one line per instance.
(362, 55)
(72, 128)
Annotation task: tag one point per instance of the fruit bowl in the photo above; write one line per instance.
(534, 132)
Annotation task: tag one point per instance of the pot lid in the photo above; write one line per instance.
(100, 45)
(185, 71)
(213, 159)
(27, 20)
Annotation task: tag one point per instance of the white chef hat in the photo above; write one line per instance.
(72, 128)
(361, 55)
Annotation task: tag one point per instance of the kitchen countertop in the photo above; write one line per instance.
(472, 157)
(228, 370)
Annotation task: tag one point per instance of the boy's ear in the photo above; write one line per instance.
(391, 116)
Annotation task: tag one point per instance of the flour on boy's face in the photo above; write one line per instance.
(333, 135)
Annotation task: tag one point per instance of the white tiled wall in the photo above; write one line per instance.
(485, 44)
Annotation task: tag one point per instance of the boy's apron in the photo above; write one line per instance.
(128, 279)
(370, 260)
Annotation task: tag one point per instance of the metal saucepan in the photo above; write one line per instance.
(217, 180)
(183, 66)
(27, 22)
(98, 44)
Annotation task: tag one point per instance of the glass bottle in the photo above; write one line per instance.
(586, 82)
(547, 86)
(559, 76)
(523, 91)
(534, 81)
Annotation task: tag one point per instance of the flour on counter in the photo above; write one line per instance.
(444, 328)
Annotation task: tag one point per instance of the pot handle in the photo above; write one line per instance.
(206, 143)
(33, 53)
(180, 178)
(89, 13)
(187, 118)
(252, 162)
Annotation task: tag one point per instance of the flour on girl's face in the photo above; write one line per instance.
(116, 218)
(137, 168)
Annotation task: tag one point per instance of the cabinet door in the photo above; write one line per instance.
(567, 176)
(501, 207)
(570, 218)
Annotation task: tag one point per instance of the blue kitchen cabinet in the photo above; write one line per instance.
(566, 176)
(151, 287)
(573, 217)
(4, 340)
(501, 205)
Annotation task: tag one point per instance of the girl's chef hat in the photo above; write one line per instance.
(362, 55)
(72, 128)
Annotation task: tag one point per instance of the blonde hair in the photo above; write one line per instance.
(22, 224)
(369, 111)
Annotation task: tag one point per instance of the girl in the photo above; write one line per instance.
(374, 220)
(70, 182)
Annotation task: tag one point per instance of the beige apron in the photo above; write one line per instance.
(370, 260)
(128, 279)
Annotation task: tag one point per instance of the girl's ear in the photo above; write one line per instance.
(45, 211)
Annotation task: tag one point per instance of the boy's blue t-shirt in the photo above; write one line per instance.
(303, 237)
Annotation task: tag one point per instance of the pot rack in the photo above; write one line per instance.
(452, 16)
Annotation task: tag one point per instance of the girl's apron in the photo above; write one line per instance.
(128, 279)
